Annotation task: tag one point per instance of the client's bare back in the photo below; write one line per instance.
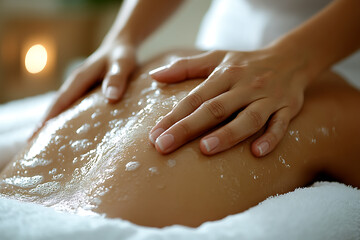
(96, 158)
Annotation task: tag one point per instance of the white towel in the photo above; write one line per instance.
(325, 211)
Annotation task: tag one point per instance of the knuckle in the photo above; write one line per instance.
(262, 80)
(228, 134)
(230, 69)
(296, 101)
(113, 78)
(272, 138)
(180, 62)
(215, 108)
(194, 100)
(281, 125)
(259, 82)
(79, 74)
(168, 120)
(256, 118)
(184, 128)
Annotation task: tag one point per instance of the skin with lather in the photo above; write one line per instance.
(93, 153)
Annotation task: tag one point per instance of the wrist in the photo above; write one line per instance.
(122, 37)
(113, 42)
(298, 56)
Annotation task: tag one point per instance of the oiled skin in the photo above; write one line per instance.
(190, 188)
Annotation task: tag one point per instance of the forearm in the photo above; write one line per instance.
(326, 38)
(137, 19)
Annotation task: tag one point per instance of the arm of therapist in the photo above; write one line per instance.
(266, 85)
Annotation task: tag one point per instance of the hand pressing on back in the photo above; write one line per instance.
(111, 63)
(265, 86)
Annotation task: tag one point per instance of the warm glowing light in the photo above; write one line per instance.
(36, 59)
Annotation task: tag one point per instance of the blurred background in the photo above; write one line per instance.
(41, 39)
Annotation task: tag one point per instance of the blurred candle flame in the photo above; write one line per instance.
(36, 59)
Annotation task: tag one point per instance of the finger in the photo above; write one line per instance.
(199, 66)
(115, 81)
(210, 88)
(274, 133)
(248, 122)
(209, 114)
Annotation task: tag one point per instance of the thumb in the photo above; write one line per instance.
(198, 66)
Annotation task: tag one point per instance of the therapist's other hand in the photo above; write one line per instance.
(112, 63)
(264, 86)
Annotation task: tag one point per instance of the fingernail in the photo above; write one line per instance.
(158, 70)
(112, 93)
(263, 148)
(210, 143)
(165, 141)
(154, 135)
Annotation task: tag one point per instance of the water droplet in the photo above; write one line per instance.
(57, 139)
(154, 170)
(131, 166)
(324, 131)
(83, 129)
(58, 176)
(62, 148)
(140, 102)
(80, 145)
(95, 114)
(116, 112)
(53, 171)
(171, 162)
(282, 160)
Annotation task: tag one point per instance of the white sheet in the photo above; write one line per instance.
(324, 211)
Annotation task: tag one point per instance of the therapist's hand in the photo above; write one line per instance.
(111, 63)
(262, 86)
